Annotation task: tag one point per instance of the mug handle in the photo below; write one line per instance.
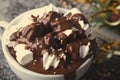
(3, 26)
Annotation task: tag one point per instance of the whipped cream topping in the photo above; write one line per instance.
(23, 56)
(51, 60)
(84, 50)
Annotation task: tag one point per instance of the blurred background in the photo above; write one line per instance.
(103, 16)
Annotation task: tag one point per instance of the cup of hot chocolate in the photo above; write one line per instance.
(49, 43)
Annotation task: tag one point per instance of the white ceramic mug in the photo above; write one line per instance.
(26, 74)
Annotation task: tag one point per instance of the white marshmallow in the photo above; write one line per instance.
(83, 25)
(67, 32)
(84, 50)
(23, 56)
(81, 22)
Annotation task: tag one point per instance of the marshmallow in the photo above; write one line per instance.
(83, 25)
(84, 50)
(23, 56)
(67, 32)
(81, 22)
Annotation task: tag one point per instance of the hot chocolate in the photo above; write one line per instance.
(53, 44)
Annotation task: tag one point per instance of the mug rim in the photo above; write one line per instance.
(15, 63)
